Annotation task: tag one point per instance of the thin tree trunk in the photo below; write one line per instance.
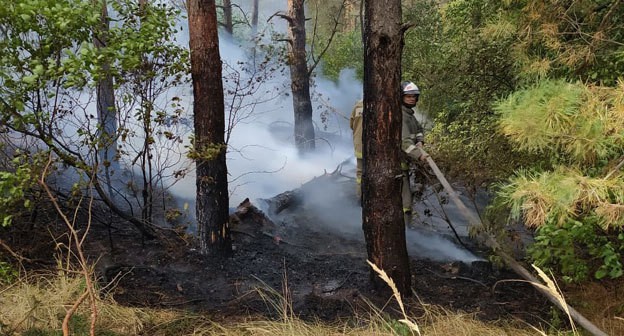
(254, 18)
(300, 79)
(107, 152)
(227, 16)
(209, 119)
(147, 192)
(382, 215)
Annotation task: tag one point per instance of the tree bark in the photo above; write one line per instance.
(382, 215)
(300, 78)
(209, 119)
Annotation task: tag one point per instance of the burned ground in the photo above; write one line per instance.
(311, 252)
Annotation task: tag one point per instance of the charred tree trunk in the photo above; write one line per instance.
(209, 120)
(300, 77)
(107, 149)
(382, 215)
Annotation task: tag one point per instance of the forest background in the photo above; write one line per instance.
(525, 99)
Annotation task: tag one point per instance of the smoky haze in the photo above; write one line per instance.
(263, 161)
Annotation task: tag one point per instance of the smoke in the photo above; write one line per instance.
(263, 161)
(436, 247)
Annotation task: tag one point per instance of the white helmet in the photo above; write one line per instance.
(409, 88)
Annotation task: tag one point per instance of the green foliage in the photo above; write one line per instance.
(51, 67)
(570, 122)
(41, 48)
(577, 205)
(576, 219)
(345, 51)
(466, 55)
(49, 58)
(461, 71)
(577, 250)
(424, 49)
(8, 274)
(205, 152)
(339, 22)
(570, 40)
(143, 45)
(473, 151)
(399, 328)
(17, 183)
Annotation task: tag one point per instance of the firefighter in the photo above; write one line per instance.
(412, 139)
(355, 122)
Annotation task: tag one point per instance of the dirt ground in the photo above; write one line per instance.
(312, 252)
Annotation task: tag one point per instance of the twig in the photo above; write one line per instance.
(71, 311)
(89, 292)
(335, 288)
(619, 165)
(278, 239)
(455, 277)
(17, 256)
(180, 303)
(242, 232)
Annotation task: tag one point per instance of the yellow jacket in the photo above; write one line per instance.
(355, 122)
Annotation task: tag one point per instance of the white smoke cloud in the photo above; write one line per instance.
(263, 161)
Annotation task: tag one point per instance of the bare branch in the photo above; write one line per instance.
(406, 26)
(290, 41)
(329, 41)
(283, 16)
(619, 165)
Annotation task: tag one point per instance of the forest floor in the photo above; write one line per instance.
(312, 253)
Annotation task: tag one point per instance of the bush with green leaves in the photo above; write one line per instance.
(577, 206)
(18, 184)
(461, 70)
(50, 77)
(578, 250)
(8, 274)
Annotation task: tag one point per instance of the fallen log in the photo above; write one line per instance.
(246, 210)
(287, 199)
(250, 221)
(296, 197)
(510, 261)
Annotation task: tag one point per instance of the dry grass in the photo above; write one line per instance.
(397, 296)
(551, 287)
(42, 302)
(439, 321)
(602, 303)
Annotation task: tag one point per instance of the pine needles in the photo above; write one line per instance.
(581, 124)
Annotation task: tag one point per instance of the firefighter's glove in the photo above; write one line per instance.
(423, 155)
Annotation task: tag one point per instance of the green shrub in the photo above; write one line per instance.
(578, 250)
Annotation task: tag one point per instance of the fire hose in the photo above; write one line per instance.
(490, 242)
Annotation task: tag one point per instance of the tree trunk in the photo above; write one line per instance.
(107, 150)
(209, 119)
(254, 18)
(227, 16)
(382, 215)
(300, 78)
